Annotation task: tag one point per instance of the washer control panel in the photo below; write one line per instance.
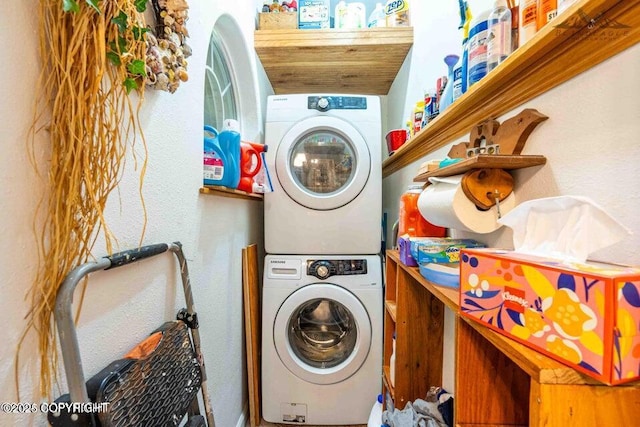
(326, 103)
(323, 268)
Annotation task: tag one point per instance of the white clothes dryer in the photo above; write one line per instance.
(321, 338)
(325, 163)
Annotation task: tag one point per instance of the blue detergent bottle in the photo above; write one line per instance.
(222, 155)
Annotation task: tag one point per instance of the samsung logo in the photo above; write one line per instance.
(279, 99)
(277, 262)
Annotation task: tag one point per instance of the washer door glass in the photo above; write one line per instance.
(323, 163)
(322, 333)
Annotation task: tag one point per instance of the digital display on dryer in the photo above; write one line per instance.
(337, 103)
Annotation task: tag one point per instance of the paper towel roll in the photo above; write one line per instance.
(444, 203)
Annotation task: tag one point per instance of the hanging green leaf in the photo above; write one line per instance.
(121, 46)
(130, 84)
(137, 67)
(94, 5)
(138, 32)
(121, 21)
(70, 6)
(141, 5)
(114, 58)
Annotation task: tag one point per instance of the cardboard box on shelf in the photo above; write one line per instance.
(278, 21)
(314, 14)
(585, 315)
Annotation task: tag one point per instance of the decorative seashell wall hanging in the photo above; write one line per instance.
(167, 49)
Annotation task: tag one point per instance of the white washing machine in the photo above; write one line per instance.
(321, 338)
(325, 163)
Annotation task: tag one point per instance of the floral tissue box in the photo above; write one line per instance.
(584, 315)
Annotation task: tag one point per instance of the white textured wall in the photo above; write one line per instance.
(591, 142)
(124, 305)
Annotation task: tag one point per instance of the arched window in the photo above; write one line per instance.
(219, 92)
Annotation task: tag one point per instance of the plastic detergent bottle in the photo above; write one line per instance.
(375, 417)
(213, 161)
(528, 17)
(397, 13)
(499, 38)
(410, 221)
(478, 48)
(377, 17)
(355, 16)
(222, 163)
(340, 13)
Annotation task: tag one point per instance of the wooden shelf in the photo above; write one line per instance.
(391, 307)
(228, 192)
(517, 385)
(507, 162)
(363, 61)
(560, 51)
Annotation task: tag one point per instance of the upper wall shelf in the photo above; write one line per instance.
(560, 51)
(362, 61)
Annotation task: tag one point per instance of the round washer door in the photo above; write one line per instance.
(322, 333)
(323, 163)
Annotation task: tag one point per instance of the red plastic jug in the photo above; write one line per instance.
(250, 164)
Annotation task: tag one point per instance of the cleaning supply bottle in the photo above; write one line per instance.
(250, 165)
(226, 149)
(355, 16)
(447, 95)
(377, 17)
(340, 13)
(528, 20)
(460, 68)
(477, 48)
(375, 417)
(547, 10)
(392, 361)
(499, 38)
(410, 221)
(397, 13)
(213, 158)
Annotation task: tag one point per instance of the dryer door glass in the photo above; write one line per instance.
(322, 162)
(322, 333)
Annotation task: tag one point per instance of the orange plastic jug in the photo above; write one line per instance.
(250, 164)
(410, 221)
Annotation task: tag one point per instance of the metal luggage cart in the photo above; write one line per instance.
(154, 385)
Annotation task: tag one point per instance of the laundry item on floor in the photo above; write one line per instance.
(418, 413)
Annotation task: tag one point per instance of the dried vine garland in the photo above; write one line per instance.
(94, 55)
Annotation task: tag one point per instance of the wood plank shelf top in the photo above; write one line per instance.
(350, 61)
(490, 161)
(575, 41)
(229, 192)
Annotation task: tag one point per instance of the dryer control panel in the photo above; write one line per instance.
(326, 103)
(323, 268)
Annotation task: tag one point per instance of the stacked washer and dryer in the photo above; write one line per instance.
(322, 290)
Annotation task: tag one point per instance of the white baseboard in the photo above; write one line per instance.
(244, 416)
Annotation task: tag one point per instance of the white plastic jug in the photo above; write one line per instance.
(375, 418)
